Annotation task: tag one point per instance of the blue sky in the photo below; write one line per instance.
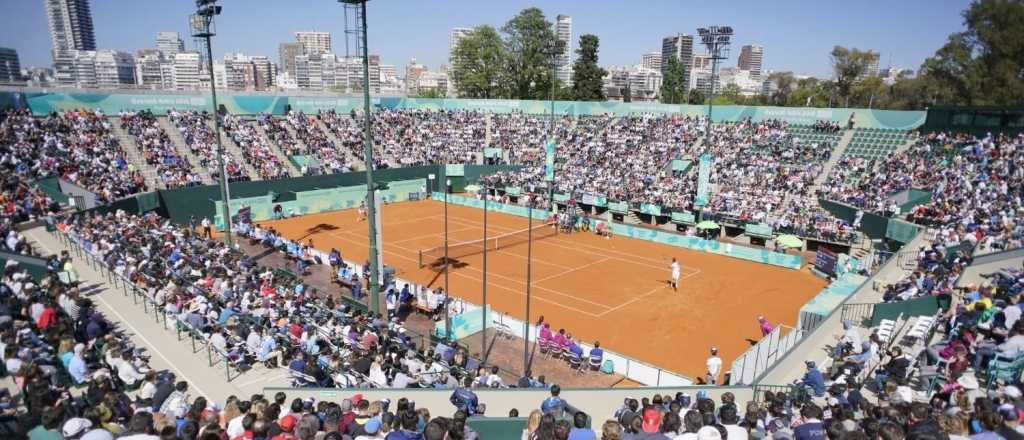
(797, 34)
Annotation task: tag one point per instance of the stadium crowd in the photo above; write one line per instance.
(76, 146)
(199, 138)
(173, 170)
(255, 147)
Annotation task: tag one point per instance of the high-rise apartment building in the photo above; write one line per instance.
(186, 71)
(266, 71)
(680, 48)
(114, 69)
(70, 23)
(10, 66)
(169, 43)
(314, 42)
(751, 59)
(563, 62)
(651, 60)
(286, 54)
(150, 67)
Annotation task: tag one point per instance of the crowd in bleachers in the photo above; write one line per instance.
(316, 143)
(198, 136)
(173, 170)
(76, 146)
(255, 147)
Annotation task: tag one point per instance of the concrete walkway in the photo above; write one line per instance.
(166, 351)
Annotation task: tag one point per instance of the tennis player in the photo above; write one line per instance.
(675, 274)
(362, 211)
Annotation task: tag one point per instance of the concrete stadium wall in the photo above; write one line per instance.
(44, 101)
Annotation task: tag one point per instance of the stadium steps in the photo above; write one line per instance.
(166, 351)
(837, 153)
(133, 155)
(281, 156)
(632, 218)
(236, 151)
(184, 150)
(357, 162)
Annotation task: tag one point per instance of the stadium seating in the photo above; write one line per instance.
(876, 143)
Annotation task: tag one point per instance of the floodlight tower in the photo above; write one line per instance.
(359, 9)
(717, 39)
(201, 27)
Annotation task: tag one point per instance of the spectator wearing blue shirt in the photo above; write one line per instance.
(227, 313)
(269, 351)
(814, 379)
(811, 428)
(553, 402)
(596, 355)
(580, 431)
(77, 367)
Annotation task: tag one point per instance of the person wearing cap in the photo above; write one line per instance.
(287, 425)
(75, 427)
(714, 366)
(371, 430)
(651, 424)
(764, 325)
(813, 378)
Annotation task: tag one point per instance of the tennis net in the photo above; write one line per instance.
(473, 247)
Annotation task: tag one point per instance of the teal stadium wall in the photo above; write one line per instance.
(45, 101)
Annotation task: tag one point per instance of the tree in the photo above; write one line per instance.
(528, 66)
(673, 86)
(478, 64)
(849, 65)
(627, 94)
(730, 94)
(587, 76)
(696, 97)
(784, 84)
(432, 92)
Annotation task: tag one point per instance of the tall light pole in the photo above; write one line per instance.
(201, 25)
(371, 188)
(447, 262)
(552, 48)
(716, 38)
(529, 266)
(483, 343)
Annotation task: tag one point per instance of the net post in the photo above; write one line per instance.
(420, 260)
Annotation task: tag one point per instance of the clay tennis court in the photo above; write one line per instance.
(613, 291)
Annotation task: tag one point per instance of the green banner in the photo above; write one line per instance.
(513, 190)
(549, 160)
(703, 181)
(451, 170)
(684, 218)
(758, 230)
(492, 152)
(681, 165)
(561, 198)
(647, 208)
(618, 207)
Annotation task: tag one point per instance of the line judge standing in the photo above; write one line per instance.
(675, 275)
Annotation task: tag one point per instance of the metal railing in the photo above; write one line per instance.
(857, 313)
(139, 296)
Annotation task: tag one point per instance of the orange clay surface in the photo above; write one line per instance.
(613, 291)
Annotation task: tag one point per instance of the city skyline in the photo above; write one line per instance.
(24, 28)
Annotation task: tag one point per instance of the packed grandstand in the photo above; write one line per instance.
(78, 375)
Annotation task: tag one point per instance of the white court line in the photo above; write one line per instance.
(599, 251)
(573, 270)
(645, 295)
(464, 275)
(438, 235)
(191, 383)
